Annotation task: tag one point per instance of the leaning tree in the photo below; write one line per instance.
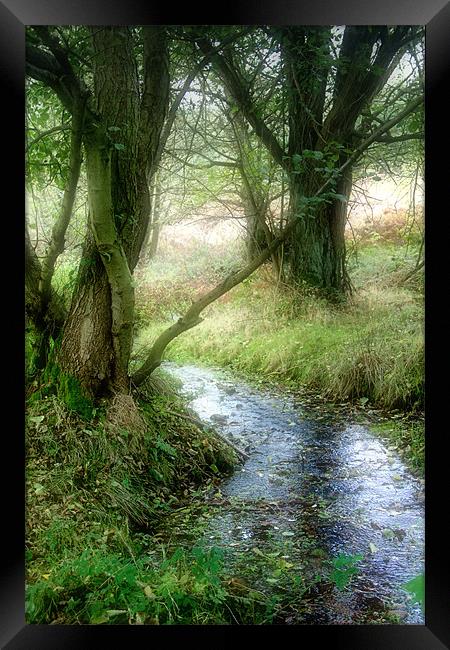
(113, 86)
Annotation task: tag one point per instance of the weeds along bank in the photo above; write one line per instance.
(98, 487)
(107, 497)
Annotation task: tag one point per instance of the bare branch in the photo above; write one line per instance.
(56, 246)
(192, 316)
(400, 138)
(44, 134)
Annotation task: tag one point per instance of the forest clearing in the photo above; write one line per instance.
(225, 325)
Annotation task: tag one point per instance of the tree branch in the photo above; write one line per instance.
(192, 316)
(400, 138)
(57, 242)
(186, 86)
(241, 95)
(44, 134)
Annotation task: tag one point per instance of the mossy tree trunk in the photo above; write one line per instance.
(121, 145)
(315, 251)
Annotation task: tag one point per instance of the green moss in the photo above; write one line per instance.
(55, 382)
(70, 391)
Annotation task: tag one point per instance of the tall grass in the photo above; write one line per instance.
(372, 347)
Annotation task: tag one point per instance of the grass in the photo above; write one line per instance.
(94, 485)
(101, 489)
(367, 351)
(372, 348)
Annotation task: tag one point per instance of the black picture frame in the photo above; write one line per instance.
(435, 14)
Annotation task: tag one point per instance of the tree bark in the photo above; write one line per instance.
(113, 256)
(87, 350)
(121, 145)
(360, 75)
(155, 227)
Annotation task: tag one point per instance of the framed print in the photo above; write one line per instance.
(230, 329)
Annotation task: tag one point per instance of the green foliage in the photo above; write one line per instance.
(96, 588)
(71, 393)
(416, 587)
(47, 156)
(344, 569)
(91, 487)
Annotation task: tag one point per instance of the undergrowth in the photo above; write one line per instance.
(93, 485)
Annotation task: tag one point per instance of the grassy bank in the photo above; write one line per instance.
(369, 351)
(115, 507)
(97, 490)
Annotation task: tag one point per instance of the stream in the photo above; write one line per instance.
(312, 475)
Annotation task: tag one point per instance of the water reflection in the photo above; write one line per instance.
(362, 499)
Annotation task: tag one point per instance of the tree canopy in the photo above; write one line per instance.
(136, 122)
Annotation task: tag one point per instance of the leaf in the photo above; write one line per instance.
(287, 533)
(37, 419)
(115, 612)
(149, 592)
(101, 617)
(342, 561)
(342, 578)
(164, 446)
(114, 128)
(416, 587)
(119, 146)
(344, 569)
(373, 548)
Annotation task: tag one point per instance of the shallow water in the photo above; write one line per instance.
(361, 499)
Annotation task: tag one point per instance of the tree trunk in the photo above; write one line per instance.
(155, 227)
(121, 147)
(87, 351)
(255, 238)
(316, 250)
